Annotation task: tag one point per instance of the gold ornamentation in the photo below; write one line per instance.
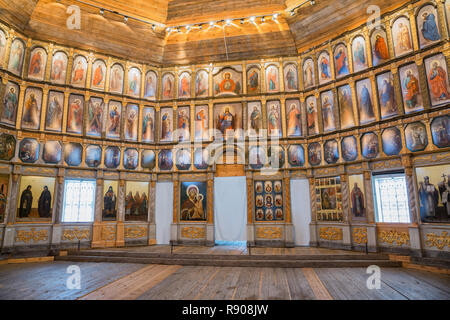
(330, 233)
(360, 235)
(76, 233)
(135, 232)
(193, 232)
(32, 235)
(439, 241)
(269, 232)
(393, 236)
(387, 164)
(108, 233)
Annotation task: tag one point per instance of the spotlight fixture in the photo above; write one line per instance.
(275, 16)
(263, 19)
(178, 29)
(242, 21)
(292, 12)
(228, 22)
(153, 27)
(200, 26)
(252, 19)
(211, 23)
(125, 19)
(169, 30)
(188, 28)
(102, 11)
(313, 2)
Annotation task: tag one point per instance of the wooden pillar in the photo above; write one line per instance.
(287, 192)
(249, 200)
(345, 198)
(370, 209)
(407, 163)
(312, 194)
(15, 184)
(120, 230)
(175, 200)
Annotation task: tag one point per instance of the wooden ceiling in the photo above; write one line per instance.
(46, 20)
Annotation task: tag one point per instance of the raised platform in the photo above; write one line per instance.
(233, 256)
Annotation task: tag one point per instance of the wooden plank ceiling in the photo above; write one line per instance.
(46, 20)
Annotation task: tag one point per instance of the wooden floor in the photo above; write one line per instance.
(142, 282)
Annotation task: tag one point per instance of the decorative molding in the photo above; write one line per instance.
(360, 235)
(193, 232)
(392, 237)
(331, 233)
(108, 233)
(269, 232)
(32, 235)
(76, 233)
(439, 241)
(135, 232)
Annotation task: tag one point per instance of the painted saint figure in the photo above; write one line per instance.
(309, 74)
(201, 124)
(35, 64)
(403, 38)
(26, 199)
(225, 121)
(341, 62)
(294, 121)
(95, 118)
(438, 82)
(428, 198)
(109, 204)
(192, 208)
(381, 50)
(10, 102)
(98, 76)
(365, 104)
(114, 121)
(255, 119)
(357, 198)
(44, 204)
(166, 127)
(253, 81)
(411, 87)
(147, 127)
(311, 118)
(325, 68)
(75, 116)
(328, 115)
(387, 98)
(30, 112)
(183, 125)
(54, 114)
(429, 27)
(274, 119)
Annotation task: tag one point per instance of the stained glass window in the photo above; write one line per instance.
(79, 201)
(391, 199)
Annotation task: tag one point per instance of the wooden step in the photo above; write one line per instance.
(312, 263)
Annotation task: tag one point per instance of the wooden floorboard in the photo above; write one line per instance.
(298, 285)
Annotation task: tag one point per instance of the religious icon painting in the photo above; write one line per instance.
(357, 197)
(272, 79)
(380, 51)
(365, 101)
(130, 158)
(73, 153)
(253, 80)
(227, 81)
(401, 36)
(4, 183)
(113, 119)
(315, 153)
(183, 124)
(433, 193)
(369, 145)
(59, 68)
(294, 118)
(309, 76)
(329, 199)
(32, 103)
(331, 151)
(79, 71)
(136, 201)
(148, 159)
(2, 47)
(193, 201)
(257, 157)
(386, 95)
(437, 79)
(359, 54)
(38, 63)
(134, 82)
(440, 131)
(268, 187)
(151, 85)
(259, 214)
(274, 119)
(416, 136)
(412, 96)
(346, 107)
(184, 85)
(148, 124)
(165, 160)
(29, 150)
(201, 123)
(116, 77)
(109, 208)
(75, 114)
(36, 198)
(10, 104)
(98, 75)
(201, 159)
(7, 146)
(324, 67)
(168, 87)
(16, 56)
(52, 152)
(183, 159)
(349, 148)
(228, 120)
(341, 61)
(259, 188)
(202, 84)
(166, 125)
(312, 119)
(254, 119)
(268, 200)
(392, 141)
(276, 157)
(94, 125)
(93, 155)
(290, 77)
(428, 26)
(112, 157)
(296, 155)
(55, 109)
(328, 111)
(131, 122)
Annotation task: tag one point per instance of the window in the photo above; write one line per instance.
(391, 198)
(79, 201)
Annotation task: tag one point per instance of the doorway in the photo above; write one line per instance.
(230, 210)
(163, 211)
(301, 211)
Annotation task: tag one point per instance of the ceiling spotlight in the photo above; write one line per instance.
(263, 19)
(178, 29)
(188, 28)
(312, 2)
(169, 30)
(125, 19)
(292, 12)
(242, 21)
(228, 22)
(252, 19)
(200, 26)
(275, 16)
(211, 23)
(102, 11)
(153, 27)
